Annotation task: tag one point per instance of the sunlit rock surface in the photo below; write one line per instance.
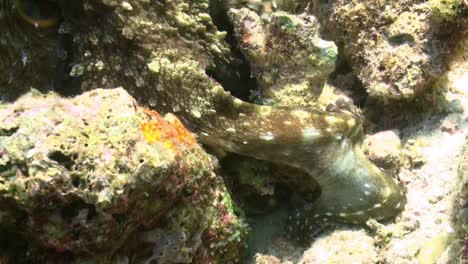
(98, 177)
(398, 49)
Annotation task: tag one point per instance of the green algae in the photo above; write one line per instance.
(446, 10)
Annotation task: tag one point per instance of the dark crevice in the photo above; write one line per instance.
(5, 167)
(401, 39)
(346, 81)
(235, 76)
(92, 213)
(72, 209)
(64, 84)
(119, 218)
(61, 158)
(76, 181)
(49, 50)
(23, 169)
(289, 192)
(8, 132)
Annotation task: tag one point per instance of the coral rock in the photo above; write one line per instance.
(398, 49)
(86, 175)
(383, 148)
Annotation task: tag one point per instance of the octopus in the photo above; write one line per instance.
(171, 57)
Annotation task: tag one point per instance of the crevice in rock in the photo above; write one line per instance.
(235, 76)
(73, 208)
(401, 39)
(6, 132)
(61, 158)
(346, 81)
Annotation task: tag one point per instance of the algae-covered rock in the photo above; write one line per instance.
(264, 8)
(267, 259)
(342, 246)
(89, 174)
(384, 149)
(286, 53)
(398, 48)
(77, 49)
(200, 228)
(446, 10)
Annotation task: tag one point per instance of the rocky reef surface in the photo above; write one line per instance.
(430, 157)
(398, 49)
(100, 178)
(104, 177)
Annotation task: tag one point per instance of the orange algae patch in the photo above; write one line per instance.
(168, 130)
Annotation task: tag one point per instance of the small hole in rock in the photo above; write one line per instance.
(72, 209)
(76, 234)
(8, 132)
(75, 180)
(61, 158)
(119, 218)
(401, 39)
(91, 213)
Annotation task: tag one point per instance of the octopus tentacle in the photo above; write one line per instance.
(353, 191)
(327, 145)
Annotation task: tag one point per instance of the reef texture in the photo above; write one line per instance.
(160, 52)
(360, 249)
(264, 8)
(461, 217)
(397, 48)
(432, 225)
(286, 54)
(384, 149)
(101, 178)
